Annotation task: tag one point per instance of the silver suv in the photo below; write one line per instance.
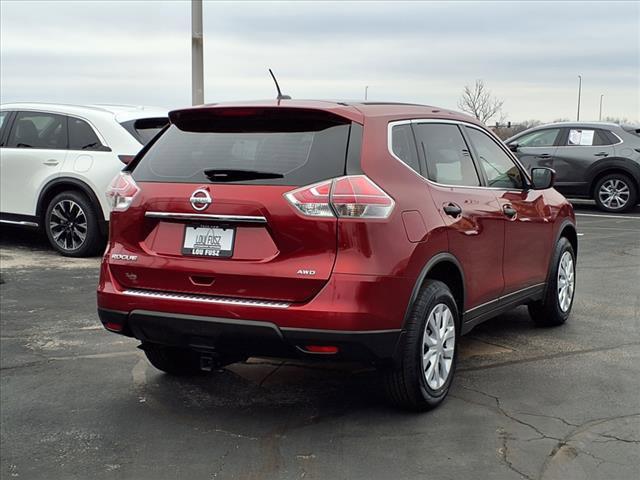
(592, 160)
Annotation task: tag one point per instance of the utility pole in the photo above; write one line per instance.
(579, 93)
(197, 47)
(366, 91)
(600, 116)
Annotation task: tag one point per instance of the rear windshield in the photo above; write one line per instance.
(303, 148)
(144, 129)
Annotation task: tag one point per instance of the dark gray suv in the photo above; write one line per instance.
(592, 160)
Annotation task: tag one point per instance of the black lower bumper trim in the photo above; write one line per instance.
(248, 337)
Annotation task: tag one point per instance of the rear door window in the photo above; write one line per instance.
(446, 154)
(303, 148)
(82, 136)
(587, 137)
(403, 146)
(39, 130)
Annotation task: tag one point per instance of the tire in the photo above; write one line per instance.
(172, 360)
(554, 309)
(71, 225)
(615, 192)
(406, 383)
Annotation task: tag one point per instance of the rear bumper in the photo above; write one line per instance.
(248, 337)
(346, 303)
(360, 314)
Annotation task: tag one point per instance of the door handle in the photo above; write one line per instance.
(602, 154)
(544, 155)
(51, 162)
(452, 209)
(509, 211)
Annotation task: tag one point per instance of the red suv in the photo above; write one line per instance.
(379, 232)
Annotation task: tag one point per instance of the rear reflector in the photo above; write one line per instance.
(354, 196)
(121, 192)
(114, 327)
(321, 349)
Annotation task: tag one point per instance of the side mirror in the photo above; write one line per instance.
(542, 178)
(513, 147)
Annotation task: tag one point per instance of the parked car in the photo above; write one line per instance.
(378, 232)
(57, 162)
(592, 160)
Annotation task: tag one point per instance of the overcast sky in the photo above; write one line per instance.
(138, 52)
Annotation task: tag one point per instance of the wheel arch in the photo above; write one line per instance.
(63, 184)
(446, 268)
(620, 167)
(568, 231)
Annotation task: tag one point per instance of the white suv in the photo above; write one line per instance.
(57, 161)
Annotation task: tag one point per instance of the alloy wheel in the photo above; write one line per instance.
(438, 346)
(614, 194)
(68, 225)
(566, 281)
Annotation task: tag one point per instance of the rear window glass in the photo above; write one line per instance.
(144, 129)
(404, 146)
(82, 136)
(302, 150)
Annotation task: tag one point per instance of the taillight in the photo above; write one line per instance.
(312, 200)
(121, 192)
(354, 196)
(126, 159)
(359, 197)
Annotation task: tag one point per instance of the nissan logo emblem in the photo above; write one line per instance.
(200, 199)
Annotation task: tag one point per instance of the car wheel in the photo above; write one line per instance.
(422, 376)
(615, 193)
(72, 226)
(555, 307)
(172, 360)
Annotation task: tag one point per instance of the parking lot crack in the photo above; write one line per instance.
(268, 375)
(613, 438)
(580, 429)
(504, 456)
(502, 411)
(560, 419)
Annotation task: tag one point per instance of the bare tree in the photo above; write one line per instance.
(618, 120)
(505, 130)
(480, 102)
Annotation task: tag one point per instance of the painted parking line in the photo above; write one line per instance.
(605, 216)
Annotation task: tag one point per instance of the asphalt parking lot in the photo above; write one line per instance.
(80, 403)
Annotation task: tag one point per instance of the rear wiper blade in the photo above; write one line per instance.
(220, 175)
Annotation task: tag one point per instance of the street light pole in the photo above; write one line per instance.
(600, 116)
(579, 93)
(366, 92)
(197, 47)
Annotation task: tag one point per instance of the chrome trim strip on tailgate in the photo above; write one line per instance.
(207, 216)
(206, 299)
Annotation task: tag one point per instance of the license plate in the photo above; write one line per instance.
(208, 241)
